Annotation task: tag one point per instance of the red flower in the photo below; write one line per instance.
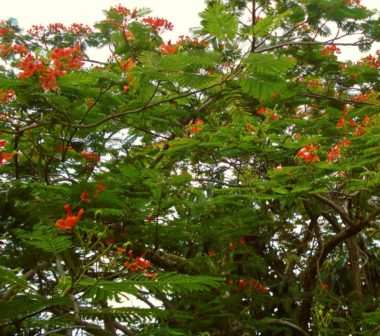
(231, 246)
(101, 186)
(330, 50)
(158, 24)
(20, 49)
(351, 122)
(242, 283)
(262, 288)
(67, 58)
(5, 157)
(120, 249)
(197, 126)
(138, 264)
(168, 48)
(307, 153)
(325, 287)
(110, 240)
(84, 196)
(89, 102)
(141, 262)
(249, 127)
(211, 253)
(91, 156)
(130, 266)
(70, 221)
(29, 65)
(346, 143)
(261, 110)
(313, 84)
(128, 65)
(151, 275)
(79, 29)
(242, 241)
(149, 218)
(48, 80)
(340, 123)
(3, 143)
(333, 154)
(365, 120)
(275, 116)
(360, 98)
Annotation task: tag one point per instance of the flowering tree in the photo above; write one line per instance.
(229, 181)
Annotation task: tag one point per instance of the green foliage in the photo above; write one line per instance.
(219, 22)
(264, 75)
(46, 239)
(223, 184)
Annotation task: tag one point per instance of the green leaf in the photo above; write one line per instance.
(9, 277)
(46, 239)
(220, 23)
(268, 64)
(264, 25)
(172, 282)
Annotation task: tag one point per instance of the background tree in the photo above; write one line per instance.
(233, 176)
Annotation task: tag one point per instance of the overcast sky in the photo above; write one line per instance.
(182, 13)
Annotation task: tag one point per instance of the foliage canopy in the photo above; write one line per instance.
(229, 181)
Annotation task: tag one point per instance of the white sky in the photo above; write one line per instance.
(182, 13)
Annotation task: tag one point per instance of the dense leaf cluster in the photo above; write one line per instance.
(227, 181)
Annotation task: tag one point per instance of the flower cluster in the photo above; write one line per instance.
(262, 110)
(70, 221)
(4, 157)
(351, 2)
(359, 98)
(362, 127)
(196, 126)
(85, 194)
(330, 50)
(187, 42)
(67, 58)
(230, 246)
(359, 128)
(249, 127)
(6, 29)
(371, 61)
(79, 29)
(6, 96)
(325, 287)
(7, 49)
(308, 153)
(335, 152)
(29, 66)
(42, 32)
(48, 71)
(157, 24)
(91, 156)
(127, 65)
(168, 48)
(255, 284)
(123, 11)
(138, 264)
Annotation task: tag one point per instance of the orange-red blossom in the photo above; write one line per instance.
(307, 153)
(168, 48)
(70, 221)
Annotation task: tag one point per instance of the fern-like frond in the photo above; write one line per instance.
(10, 278)
(169, 282)
(220, 22)
(46, 239)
